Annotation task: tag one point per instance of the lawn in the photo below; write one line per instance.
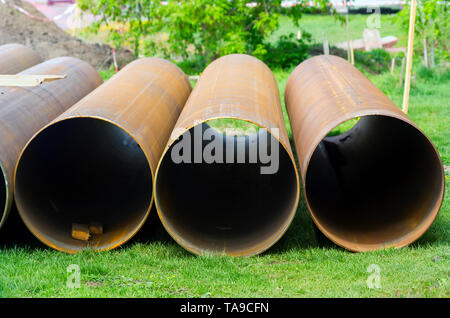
(153, 265)
(320, 26)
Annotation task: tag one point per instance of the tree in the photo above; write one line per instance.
(128, 21)
(214, 28)
(200, 27)
(432, 25)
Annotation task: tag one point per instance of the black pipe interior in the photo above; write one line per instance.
(226, 207)
(375, 183)
(83, 170)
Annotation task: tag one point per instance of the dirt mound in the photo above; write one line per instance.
(49, 41)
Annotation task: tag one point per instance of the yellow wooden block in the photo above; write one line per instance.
(95, 228)
(80, 232)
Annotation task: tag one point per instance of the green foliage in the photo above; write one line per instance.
(437, 74)
(194, 64)
(215, 28)
(375, 61)
(317, 49)
(288, 51)
(432, 23)
(127, 20)
(191, 29)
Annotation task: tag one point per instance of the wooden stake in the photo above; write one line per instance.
(433, 63)
(393, 66)
(412, 22)
(326, 47)
(348, 36)
(402, 74)
(425, 53)
(352, 53)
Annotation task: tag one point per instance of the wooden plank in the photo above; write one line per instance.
(95, 228)
(80, 232)
(28, 80)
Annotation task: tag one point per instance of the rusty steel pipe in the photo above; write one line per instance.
(225, 206)
(15, 58)
(25, 110)
(378, 185)
(95, 163)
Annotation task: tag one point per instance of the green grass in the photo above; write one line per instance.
(153, 265)
(324, 25)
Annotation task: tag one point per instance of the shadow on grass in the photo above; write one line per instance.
(438, 233)
(302, 234)
(152, 232)
(14, 234)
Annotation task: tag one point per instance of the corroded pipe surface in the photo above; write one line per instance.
(221, 204)
(95, 163)
(378, 185)
(25, 110)
(15, 58)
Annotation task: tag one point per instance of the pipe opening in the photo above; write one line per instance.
(83, 170)
(233, 127)
(375, 184)
(230, 206)
(344, 127)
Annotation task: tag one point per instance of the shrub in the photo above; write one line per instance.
(287, 52)
(317, 49)
(190, 28)
(436, 74)
(375, 61)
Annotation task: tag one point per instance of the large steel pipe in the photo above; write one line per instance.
(15, 58)
(378, 185)
(223, 200)
(94, 164)
(25, 110)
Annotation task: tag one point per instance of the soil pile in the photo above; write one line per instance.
(49, 41)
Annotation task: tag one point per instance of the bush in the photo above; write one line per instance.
(432, 24)
(317, 49)
(193, 65)
(436, 74)
(375, 61)
(191, 28)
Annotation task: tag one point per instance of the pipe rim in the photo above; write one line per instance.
(198, 251)
(401, 241)
(34, 230)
